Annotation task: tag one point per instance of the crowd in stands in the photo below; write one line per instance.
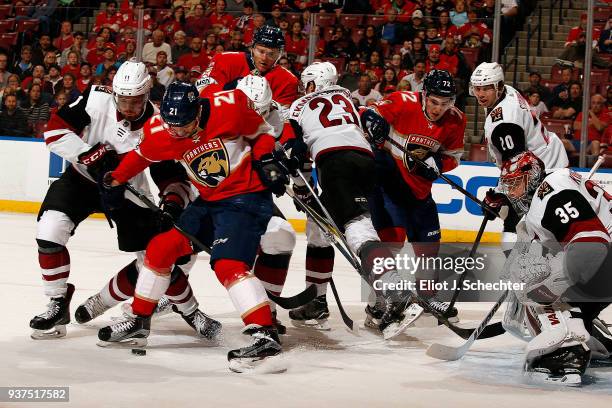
(378, 46)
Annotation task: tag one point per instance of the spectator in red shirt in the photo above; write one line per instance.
(196, 57)
(129, 18)
(110, 18)
(311, 5)
(38, 77)
(375, 66)
(433, 59)
(246, 18)
(129, 51)
(220, 20)
(198, 24)
(73, 64)
(444, 25)
(574, 33)
(85, 77)
(65, 39)
(599, 120)
(96, 55)
(258, 22)
(296, 44)
(175, 23)
(475, 27)
(449, 56)
(396, 64)
(389, 79)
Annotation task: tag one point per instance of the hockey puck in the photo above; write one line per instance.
(139, 352)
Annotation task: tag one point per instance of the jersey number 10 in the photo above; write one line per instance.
(347, 106)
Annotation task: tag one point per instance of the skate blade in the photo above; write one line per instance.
(316, 324)
(130, 343)
(259, 365)
(567, 380)
(54, 333)
(411, 314)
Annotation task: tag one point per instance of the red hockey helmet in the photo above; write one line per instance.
(520, 177)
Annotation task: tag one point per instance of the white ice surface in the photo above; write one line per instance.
(325, 368)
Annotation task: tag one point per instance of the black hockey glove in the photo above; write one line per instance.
(112, 196)
(304, 195)
(498, 202)
(272, 173)
(375, 126)
(431, 171)
(99, 159)
(170, 211)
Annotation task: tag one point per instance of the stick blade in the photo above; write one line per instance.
(444, 352)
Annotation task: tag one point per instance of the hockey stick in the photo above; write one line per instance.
(598, 163)
(456, 186)
(483, 225)
(331, 236)
(443, 352)
(286, 303)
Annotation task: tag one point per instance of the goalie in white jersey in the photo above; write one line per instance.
(563, 260)
(511, 127)
(328, 127)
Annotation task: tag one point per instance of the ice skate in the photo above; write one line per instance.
(411, 314)
(93, 307)
(261, 356)
(373, 315)
(564, 366)
(312, 315)
(429, 320)
(204, 325)
(601, 334)
(131, 331)
(52, 323)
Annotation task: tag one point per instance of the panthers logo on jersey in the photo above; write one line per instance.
(208, 163)
(419, 146)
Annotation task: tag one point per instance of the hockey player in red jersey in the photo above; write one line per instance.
(562, 260)
(224, 72)
(429, 126)
(227, 148)
(92, 134)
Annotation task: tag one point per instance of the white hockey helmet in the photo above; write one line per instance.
(487, 73)
(322, 74)
(258, 90)
(131, 80)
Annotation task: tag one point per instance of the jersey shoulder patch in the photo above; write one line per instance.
(497, 114)
(544, 190)
(102, 88)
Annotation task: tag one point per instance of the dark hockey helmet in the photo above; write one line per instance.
(269, 36)
(439, 82)
(181, 104)
(520, 177)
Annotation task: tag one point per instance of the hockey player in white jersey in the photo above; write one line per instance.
(92, 133)
(511, 127)
(326, 122)
(563, 260)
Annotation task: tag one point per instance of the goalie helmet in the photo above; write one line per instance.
(322, 74)
(257, 89)
(520, 177)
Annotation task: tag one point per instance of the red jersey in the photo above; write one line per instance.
(218, 159)
(230, 66)
(104, 20)
(575, 32)
(189, 61)
(297, 47)
(409, 127)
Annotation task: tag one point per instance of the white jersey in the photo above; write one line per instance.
(328, 121)
(92, 119)
(511, 127)
(567, 208)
